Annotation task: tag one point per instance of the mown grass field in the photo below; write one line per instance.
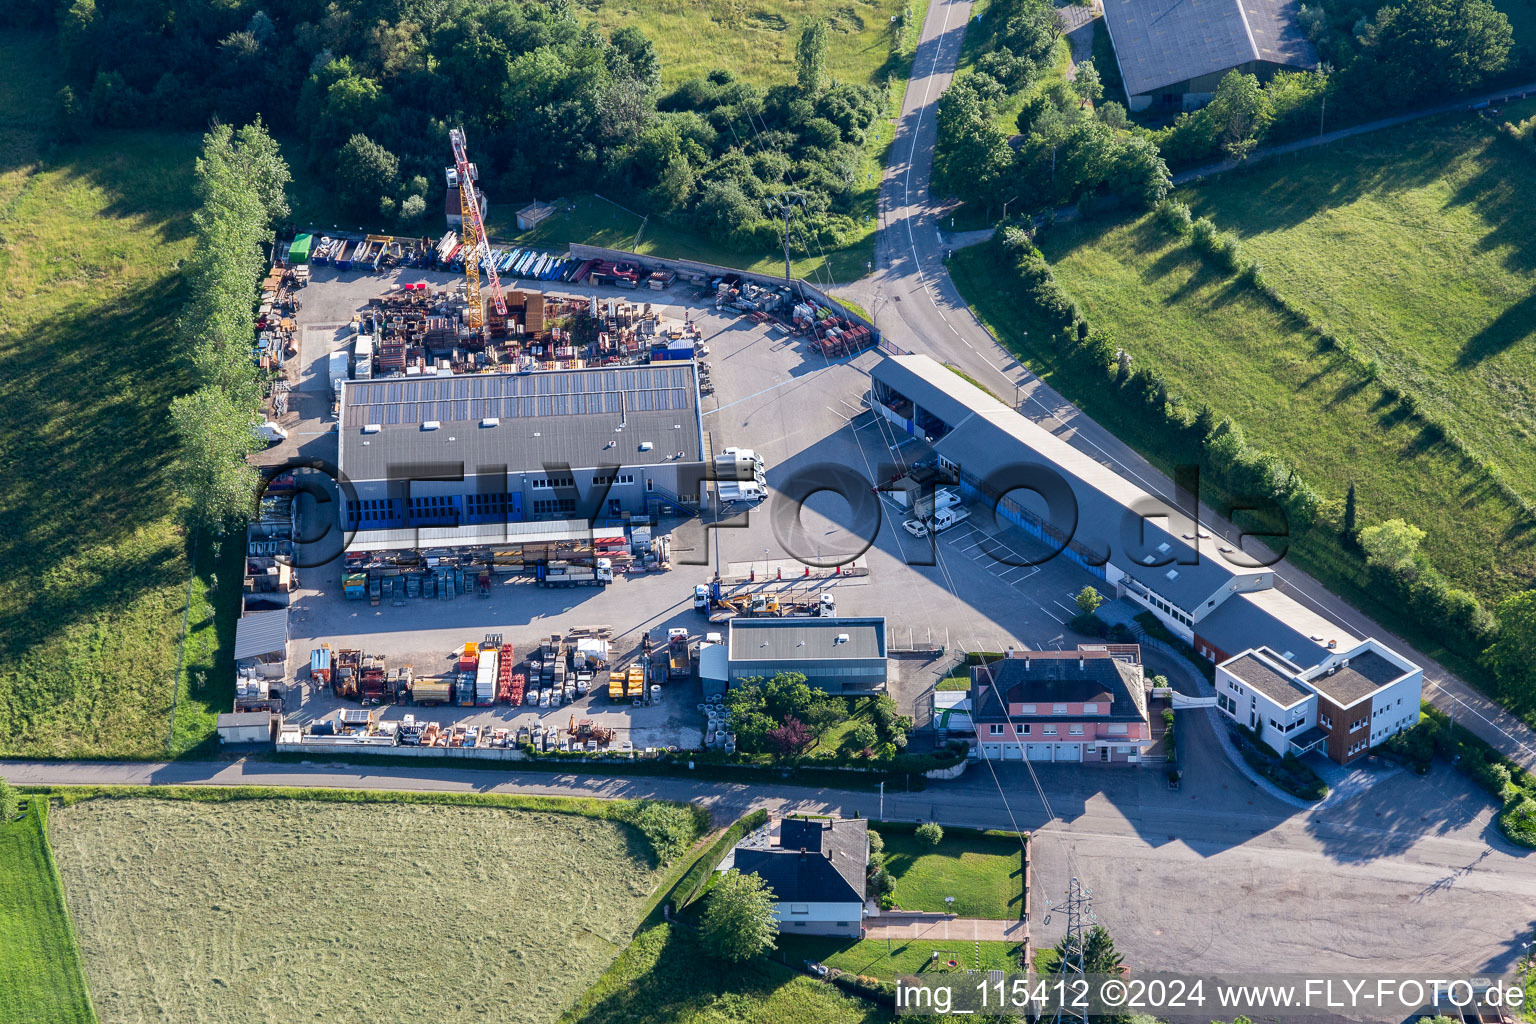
(756, 41)
(40, 973)
(291, 910)
(985, 874)
(97, 565)
(664, 977)
(885, 959)
(1218, 343)
(1418, 242)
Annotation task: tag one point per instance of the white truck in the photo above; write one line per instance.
(739, 476)
(701, 598)
(558, 574)
(944, 518)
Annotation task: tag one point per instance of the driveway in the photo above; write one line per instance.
(964, 929)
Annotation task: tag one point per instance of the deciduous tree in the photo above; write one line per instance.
(738, 921)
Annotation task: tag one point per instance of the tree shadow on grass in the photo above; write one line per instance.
(1515, 325)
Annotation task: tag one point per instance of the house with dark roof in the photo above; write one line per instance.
(1087, 705)
(816, 869)
(1173, 53)
(1342, 706)
(490, 449)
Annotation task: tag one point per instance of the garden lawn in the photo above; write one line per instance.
(97, 566)
(883, 959)
(40, 972)
(694, 37)
(985, 874)
(276, 909)
(1418, 242)
(664, 977)
(1217, 343)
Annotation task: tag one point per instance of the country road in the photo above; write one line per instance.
(916, 305)
(1409, 875)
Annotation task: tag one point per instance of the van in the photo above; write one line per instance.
(269, 432)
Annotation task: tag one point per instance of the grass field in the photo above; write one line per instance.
(757, 42)
(1218, 343)
(96, 564)
(1418, 242)
(664, 978)
(884, 959)
(983, 873)
(40, 972)
(289, 910)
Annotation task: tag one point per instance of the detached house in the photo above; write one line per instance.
(1343, 706)
(816, 869)
(1084, 705)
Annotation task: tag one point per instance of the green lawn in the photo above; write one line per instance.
(694, 37)
(40, 972)
(663, 977)
(1217, 342)
(885, 959)
(983, 873)
(92, 600)
(1418, 242)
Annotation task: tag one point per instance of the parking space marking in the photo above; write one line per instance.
(1066, 608)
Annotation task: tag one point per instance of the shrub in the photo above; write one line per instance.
(876, 842)
(1174, 216)
(670, 829)
(930, 833)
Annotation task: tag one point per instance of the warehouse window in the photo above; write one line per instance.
(799, 908)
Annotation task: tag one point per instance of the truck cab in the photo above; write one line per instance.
(701, 598)
(604, 570)
(944, 518)
(826, 606)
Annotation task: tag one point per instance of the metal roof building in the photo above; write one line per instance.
(497, 448)
(839, 655)
(1110, 526)
(1173, 53)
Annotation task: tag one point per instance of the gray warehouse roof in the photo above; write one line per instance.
(805, 639)
(261, 633)
(1270, 618)
(989, 436)
(580, 418)
(1164, 42)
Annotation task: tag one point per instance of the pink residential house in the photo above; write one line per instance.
(1084, 705)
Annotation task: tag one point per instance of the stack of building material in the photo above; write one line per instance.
(486, 676)
(533, 315)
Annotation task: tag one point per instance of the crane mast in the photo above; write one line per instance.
(472, 231)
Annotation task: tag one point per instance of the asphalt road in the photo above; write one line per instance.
(916, 305)
(1408, 876)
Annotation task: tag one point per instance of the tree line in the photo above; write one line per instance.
(549, 101)
(241, 180)
(1074, 144)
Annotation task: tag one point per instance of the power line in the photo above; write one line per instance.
(1078, 906)
(784, 202)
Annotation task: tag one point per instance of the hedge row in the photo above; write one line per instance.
(1505, 781)
(1224, 251)
(1288, 772)
(1432, 601)
(1236, 467)
(690, 885)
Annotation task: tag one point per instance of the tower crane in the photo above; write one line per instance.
(472, 231)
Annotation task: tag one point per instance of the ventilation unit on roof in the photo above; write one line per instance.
(842, 638)
(371, 428)
(646, 446)
(1163, 547)
(1172, 574)
(490, 421)
(430, 425)
(1150, 559)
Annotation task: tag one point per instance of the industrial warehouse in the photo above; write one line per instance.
(557, 533)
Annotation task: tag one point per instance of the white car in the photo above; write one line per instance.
(916, 527)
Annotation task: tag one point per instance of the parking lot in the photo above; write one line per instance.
(799, 410)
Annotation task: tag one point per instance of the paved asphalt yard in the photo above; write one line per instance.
(802, 412)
